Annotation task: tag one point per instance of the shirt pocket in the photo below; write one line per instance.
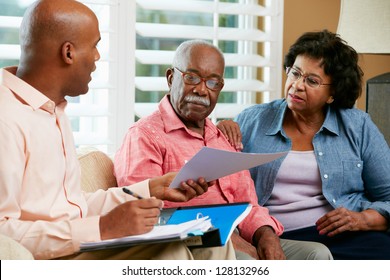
(352, 176)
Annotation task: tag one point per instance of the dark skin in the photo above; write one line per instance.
(207, 62)
(59, 44)
(52, 51)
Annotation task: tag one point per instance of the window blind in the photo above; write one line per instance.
(138, 42)
(253, 54)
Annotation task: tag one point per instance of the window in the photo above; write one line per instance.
(138, 42)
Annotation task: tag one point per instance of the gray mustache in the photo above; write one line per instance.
(197, 99)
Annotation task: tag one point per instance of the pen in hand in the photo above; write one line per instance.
(130, 192)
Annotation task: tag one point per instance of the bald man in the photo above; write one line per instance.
(42, 205)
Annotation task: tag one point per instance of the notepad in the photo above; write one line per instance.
(159, 234)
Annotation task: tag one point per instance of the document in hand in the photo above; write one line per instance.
(213, 164)
(224, 218)
(162, 233)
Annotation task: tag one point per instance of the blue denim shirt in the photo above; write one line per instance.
(352, 155)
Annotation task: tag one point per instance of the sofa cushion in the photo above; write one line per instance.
(97, 171)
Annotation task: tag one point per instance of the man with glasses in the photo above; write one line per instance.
(179, 128)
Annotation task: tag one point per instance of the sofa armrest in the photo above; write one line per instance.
(97, 171)
(12, 250)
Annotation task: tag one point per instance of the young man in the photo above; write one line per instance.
(42, 205)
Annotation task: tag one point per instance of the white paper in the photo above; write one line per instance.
(213, 164)
(180, 231)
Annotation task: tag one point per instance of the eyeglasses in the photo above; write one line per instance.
(190, 78)
(312, 81)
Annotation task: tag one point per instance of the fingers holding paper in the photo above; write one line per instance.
(130, 218)
(191, 188)
(159, 187)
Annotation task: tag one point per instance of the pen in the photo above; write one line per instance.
(130, 192)
(126, 190)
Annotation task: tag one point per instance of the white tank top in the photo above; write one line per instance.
(297, 199)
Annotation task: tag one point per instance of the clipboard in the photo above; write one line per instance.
(224, 219)
(159, 234)
(220, 221)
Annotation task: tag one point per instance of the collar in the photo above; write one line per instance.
(31, 96)
(277, 123)
(330, 123)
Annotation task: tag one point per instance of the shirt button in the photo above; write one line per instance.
(320, 153)
(334, 200)
(359, 165)
(326, 176)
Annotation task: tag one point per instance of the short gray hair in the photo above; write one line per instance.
(184, 48)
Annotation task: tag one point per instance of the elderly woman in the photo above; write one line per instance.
(334, 185)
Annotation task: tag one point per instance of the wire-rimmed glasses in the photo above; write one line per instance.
(312, 81)
(191, 78)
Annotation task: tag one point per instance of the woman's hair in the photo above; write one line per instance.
(338, 60)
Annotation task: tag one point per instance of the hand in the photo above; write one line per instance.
(159, 187)
(342, 219)
(240, 244)
(268, 244)
(130, 218)
(232, 132)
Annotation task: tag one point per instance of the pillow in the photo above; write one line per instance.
(97, 171)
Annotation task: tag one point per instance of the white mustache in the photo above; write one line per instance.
(197, 99)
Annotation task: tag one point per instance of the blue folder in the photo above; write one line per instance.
(224, 218)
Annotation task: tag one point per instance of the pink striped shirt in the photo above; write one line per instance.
(161, 143)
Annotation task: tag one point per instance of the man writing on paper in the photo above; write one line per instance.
(42, 205)
(165, 140)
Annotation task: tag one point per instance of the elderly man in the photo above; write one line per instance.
(42, 205)
(163, 141)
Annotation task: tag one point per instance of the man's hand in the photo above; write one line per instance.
(130, 218)
(232, 132)
(268, 244)
(240, 244)
(159, 187)
(342, 219)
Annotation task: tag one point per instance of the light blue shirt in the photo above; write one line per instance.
(352, 155)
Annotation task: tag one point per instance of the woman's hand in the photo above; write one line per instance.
(232, 132)
(342, 219)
